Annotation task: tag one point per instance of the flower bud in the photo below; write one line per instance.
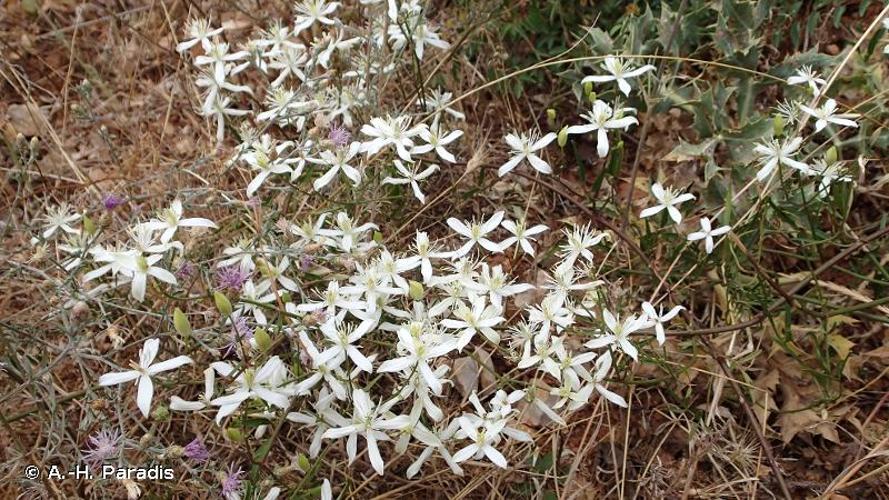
(223, 305)
(161, 413)
(234, 434)
(551, 118)
(262, 339)
(588, 91)
(180, 322)
(778, 125)
(378, 237)
(415, 290)
(89, 227)
(831, 156)
(303, 462)
(563, 137)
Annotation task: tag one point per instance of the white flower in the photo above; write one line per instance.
(580, 240)
(342, 336)
(170, 219)
(143, 371)
(475, 233)
(496, 284)
(620, 333)
(659, 318)
(619, 72)
(423, 253)
(311, 11)
(346, 230)
(773, 152)
(60, 217)
(437, 101)
(200, 32)
(707, 233)
(266, 158)
(602, 118)
(480, 318)
(290, 61)
(220, 109)
(421, 349)
(262, 384)
(809, 77)
(482, 434)
(179, 404)
(668, 199)
(436, 140)
(521, 234)
(367, 420)
(603, 368)
(827, 114)
(395, 131)
(143, 267)
(411, 177)
(338, 162)
(523, 147)
(830, 174)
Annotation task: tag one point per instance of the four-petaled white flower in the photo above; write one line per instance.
(436, 140)
(338, 162)
(619, 71)
(411, 177)
(170, 219)
(521, 234)
(658, 317)
(827, 114)
(807, 76)
(525, 146)
(60, 217)
(367, 420)
(476, 233)
(482, 434)
(707, 233)
(773, 153)
(311, 11)
(668, 199)
(620, 333)
(602, 118)
(143, 371)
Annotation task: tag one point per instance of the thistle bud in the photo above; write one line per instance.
(551, 118)
(778, 125)
(262, 339)
(831, 156)
(180, 322)
(415, 290)
(223, 305)
(563, 137)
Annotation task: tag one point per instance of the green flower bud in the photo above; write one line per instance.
(588, 91)
(303, 462)
(286, 297)
(831, 156)
(223, 305)
(262, 339)
(180, 322)
(234, 434)
(778, 125)
(563, 137)
(378, 237)
(415, 290)
(89, 227)
(161, 413)
(551, 118)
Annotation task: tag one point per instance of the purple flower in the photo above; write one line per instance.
(186, 270)
(111, 201)
(196, 450)
(339, 135)
(240, 331)
(103, 445)
(305, 262)
(232, 278)
(232, 482)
